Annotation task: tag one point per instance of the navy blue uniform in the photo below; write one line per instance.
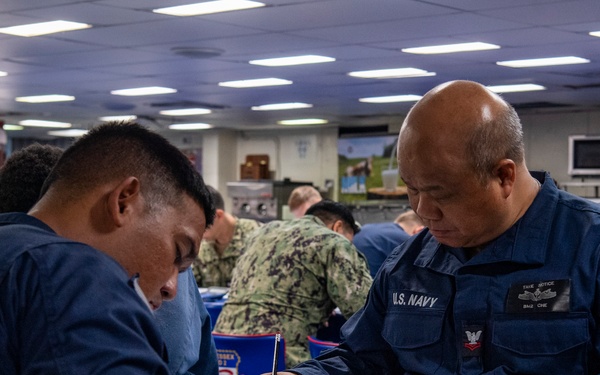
(186, 328)
(66, 308)
(376, 241)
(528, 303)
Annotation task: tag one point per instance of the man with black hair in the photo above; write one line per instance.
(23, 175)
(222, 245)
(292, 276)
(121, 205)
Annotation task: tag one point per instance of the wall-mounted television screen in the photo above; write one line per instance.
(584, 155)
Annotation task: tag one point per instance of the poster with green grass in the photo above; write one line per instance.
(368, 168)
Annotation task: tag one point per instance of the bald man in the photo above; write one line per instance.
(504, 279)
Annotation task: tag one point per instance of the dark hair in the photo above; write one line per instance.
(501, 138)
(23, 175)
(122, 149)
(216, 197)
(329, 211)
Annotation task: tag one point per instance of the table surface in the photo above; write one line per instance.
(400, 190)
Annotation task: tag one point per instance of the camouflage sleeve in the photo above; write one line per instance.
(348, 278)
(197, 270)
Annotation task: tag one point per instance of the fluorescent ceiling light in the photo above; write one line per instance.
(516, 88)
(43, 28)
(564, 60)
(185, 112)
(260, 82)
(118, 118)
(208, 7)
(293, 60)
(140, 91)
(595, 33)
(11, 127)
(451, 48)
(190, 126)
(391, 99)
(3, 74)
(45, 124)
(392, 73)
(45, 98)
(303, 121)
(71, 133)
(280, 106)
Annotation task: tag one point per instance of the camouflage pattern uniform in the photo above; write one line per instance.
(291, 277)
(209, 268)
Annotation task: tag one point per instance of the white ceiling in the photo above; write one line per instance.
(129, 46)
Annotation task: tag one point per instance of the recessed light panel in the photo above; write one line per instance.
(595, 33)
(391, 99)
(391, 73)
(451, 48)
(11, 127)
(516, 88)
(190, 126)
(71, 133)
(43, 28)
(548, 61)
(280, 106)
(260, 82)
(208, 7)
(303, 121)
(293, 60)
(45, 124)
(45, 98)
(185, 112)
(141, 91)
(118, 118)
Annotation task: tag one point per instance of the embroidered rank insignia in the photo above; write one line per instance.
(540, 296)
(472, 340)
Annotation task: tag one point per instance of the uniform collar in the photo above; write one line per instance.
(523, 243)
(23, 218)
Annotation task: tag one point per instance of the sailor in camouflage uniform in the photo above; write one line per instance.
(222, 245)
(292, 276)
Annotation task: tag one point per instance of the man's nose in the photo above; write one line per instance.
(426, 209)
(169, 290)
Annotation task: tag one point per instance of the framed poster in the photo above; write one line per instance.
(368, 168)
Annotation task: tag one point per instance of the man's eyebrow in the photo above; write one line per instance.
(425, 188)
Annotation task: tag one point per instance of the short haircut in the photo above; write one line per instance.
(501, 138)
(23, 175)
(216, 197)
(302, 194)
(122, 149)
(329, 211)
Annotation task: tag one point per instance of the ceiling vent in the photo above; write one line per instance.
(197, 52)
(536, 105)
(187, 104)
(588, 86)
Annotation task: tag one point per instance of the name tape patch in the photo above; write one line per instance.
(539, 296)
(409, 298)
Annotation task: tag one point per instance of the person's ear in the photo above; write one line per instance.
(414, 229)
(506, 173)
(122, 200)
(338, 227)
(219, 213)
